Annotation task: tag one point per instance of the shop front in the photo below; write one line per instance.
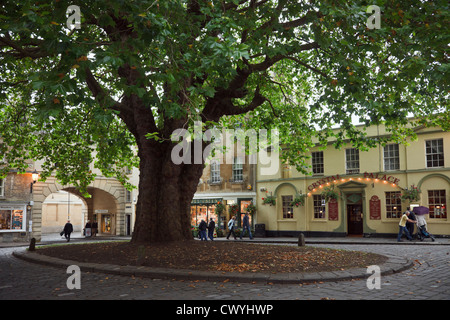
(366, 204)
(13, 217)
(205, 209)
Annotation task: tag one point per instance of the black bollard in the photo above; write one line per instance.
(301, 240)
(32, 246)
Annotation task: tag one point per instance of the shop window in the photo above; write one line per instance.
(352, 161)
(391, 157)
(203, 212)
(393, 204)
(319, 206)
(437, 203)
(317, 162)
(215, 171)
(434, 153)
(11, 218)
(288, 209)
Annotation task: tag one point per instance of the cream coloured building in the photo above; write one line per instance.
(368, 184)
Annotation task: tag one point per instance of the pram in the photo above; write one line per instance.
(422, 233)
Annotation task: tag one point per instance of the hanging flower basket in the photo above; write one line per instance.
(329, 193)
(270, 200)
(234, 209)
(299, 200)
(251, 208)
(411, 195)
(220, 208)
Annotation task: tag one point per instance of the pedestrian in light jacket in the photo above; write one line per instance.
(231, 228)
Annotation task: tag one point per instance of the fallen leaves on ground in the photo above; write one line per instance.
(216, 256)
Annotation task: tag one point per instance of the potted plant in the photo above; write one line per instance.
(329, 193)
(411, 195)
(299, 200)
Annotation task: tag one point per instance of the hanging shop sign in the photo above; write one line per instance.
(375, 208)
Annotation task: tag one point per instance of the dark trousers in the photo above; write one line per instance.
(67, 236)
(229, 233)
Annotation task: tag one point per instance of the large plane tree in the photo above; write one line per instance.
(121, 79)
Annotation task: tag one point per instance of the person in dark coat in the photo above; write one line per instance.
(410, 225)
(211, 227)
(246, 226)
(202, 230)
(68, 229)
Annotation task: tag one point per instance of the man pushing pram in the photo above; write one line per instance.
(422, 231)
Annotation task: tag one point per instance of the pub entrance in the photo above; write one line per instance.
(354, 214)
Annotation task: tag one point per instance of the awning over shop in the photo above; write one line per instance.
(205, 201)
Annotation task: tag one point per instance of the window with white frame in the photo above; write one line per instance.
(437, 203)
(434, 150)
(215, 171)
(288, 209)
(317, 162)
(352, 161)
(238, 169)
(2, 187)
(391, 157)
(319, 206)
(393, 204)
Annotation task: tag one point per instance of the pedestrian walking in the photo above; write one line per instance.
(402, 227)
(211, 228)
(202, 230)
(68, 229)
(231, 227)
(246, 226)
(94, 228)
(410, 225)
(88, 229)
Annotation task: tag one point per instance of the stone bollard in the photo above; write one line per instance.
(301, 240)
(32, 246)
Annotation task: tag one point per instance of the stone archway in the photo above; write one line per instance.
(107, 197)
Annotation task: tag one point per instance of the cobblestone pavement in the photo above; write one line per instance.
(429, 278)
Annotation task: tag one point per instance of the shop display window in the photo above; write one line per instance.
(203, 212)
(11, 219)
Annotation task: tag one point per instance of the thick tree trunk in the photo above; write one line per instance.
(165, 194)
(165, 188)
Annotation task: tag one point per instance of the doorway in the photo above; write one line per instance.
(106, 223)
(354, 219)
(128, 225)
(354, 214)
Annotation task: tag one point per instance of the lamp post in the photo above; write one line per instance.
(34, 177)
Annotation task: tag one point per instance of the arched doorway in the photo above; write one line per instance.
(106, 204)
(58, 208)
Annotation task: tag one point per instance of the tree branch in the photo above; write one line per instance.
(99, 94)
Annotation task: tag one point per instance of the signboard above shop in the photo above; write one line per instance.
(366, 175)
